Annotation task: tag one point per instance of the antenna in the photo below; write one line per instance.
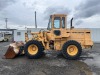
(35, 20)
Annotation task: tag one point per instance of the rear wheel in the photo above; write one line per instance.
(33, 49)
(72, 50)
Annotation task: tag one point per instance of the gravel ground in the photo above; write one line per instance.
(51, 63)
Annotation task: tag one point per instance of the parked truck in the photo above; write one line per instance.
(2, 37)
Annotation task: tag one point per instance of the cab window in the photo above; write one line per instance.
(63, 22)
(57, 22)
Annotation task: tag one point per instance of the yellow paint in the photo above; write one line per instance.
(32, 49)
(72, 50)
(82, 36)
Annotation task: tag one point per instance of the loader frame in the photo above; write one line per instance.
(82, 36)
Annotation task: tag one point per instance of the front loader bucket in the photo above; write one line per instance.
(14, 49)
(10, 54)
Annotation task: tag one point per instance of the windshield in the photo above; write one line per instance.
(57, 22)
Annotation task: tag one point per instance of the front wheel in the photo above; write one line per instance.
(72, 50)
(34, 49)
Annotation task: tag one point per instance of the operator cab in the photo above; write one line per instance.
(56, 23)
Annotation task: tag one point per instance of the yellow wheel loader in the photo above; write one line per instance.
(70, 41)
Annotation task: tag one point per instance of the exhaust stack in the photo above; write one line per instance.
(35, 20)
(71, 26)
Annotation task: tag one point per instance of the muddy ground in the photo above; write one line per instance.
(51, 64)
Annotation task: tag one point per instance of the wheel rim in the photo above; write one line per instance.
(72, 50)
(33, 49)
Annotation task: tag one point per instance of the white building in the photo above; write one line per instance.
(95, 35)
(19, 35)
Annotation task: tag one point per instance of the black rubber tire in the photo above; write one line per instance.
(40, 49)
(64, 50)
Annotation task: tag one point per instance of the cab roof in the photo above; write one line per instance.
(58, 15)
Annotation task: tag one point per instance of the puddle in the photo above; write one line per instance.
(80, 66)
(4, 68)
(95, 61)
(58, 63)
(94, 73)
(83, 67)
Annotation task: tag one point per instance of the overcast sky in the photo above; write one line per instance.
(20, 13)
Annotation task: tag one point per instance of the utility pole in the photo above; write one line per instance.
(35, 20)
(6, 20)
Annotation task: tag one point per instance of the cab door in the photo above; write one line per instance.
(58, 26)
(58, 30)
